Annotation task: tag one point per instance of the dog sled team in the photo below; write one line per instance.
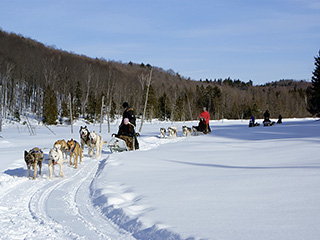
(125, 139)
(202, 128)
(59, 153)
(266, 120)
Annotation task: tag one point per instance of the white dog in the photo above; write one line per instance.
(173, 132)
(56, 157)
(186, 131)
(62, 145)
(97, 142)
(162, 132)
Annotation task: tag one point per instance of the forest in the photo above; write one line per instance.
(55, 84)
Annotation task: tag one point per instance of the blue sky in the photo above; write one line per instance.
(258, 40)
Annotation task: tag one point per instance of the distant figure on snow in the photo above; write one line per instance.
(267, 121)
(279, 119)
(252, 122)
(205, 114)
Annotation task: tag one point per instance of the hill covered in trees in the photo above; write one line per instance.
(47, 81)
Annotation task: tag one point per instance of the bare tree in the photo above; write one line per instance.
(101, 113)
(146, 101)
(110, 88)
(90, 74)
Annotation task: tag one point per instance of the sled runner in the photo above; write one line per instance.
(117, 145)
(268, 123)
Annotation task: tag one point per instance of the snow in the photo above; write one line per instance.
(235, 183)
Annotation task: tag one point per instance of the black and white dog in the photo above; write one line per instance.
(85, 140)
(172, 132)
(163, 132)
(186, 131)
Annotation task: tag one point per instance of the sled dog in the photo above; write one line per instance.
(85, 140)
(62, 146)
(75, 151)
(195, 131)
(162, 132)
(33, 158)
(186, 131)
(55, 157)
(96, 142)
(172, 132)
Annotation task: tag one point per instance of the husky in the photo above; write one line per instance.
(173, 132)
(186, 131)
(85, 140)
(33, 158)
(75, 151)
(163, 132)
(62, 145)
(56, 157)
(96, 142)
(194, 131)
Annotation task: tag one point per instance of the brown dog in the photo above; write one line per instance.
(62, 145)
(75, 151)
(33, 158)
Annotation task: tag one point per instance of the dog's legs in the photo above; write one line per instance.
(34, 171)
(61, 172)
(71, 157)
(89, 150)
(29, 172)
(98, 153)
(75, 158)
(40, 166)
(50, 169)
(80, 155)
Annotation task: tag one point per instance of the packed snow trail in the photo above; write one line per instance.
(42, 204)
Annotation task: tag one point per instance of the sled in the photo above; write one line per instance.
(254, 124)
(117, 145)
(268, 124)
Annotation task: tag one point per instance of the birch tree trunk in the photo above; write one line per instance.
(101, 114)
(145, 103)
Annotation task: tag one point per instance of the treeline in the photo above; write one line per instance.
(51, 82)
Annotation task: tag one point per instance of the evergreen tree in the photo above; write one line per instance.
(164, 107)
(64, 109)
(91, 107)
(152, 102)
(178, 109)
(314, 91)
(77, 101)
(50, 108)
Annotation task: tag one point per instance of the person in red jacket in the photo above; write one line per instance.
(205, 114)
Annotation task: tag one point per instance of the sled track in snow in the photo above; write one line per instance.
(41, 202)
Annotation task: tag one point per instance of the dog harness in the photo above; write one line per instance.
(33, 150)
(75, 144)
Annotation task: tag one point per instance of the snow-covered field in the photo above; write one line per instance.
(235, 183)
